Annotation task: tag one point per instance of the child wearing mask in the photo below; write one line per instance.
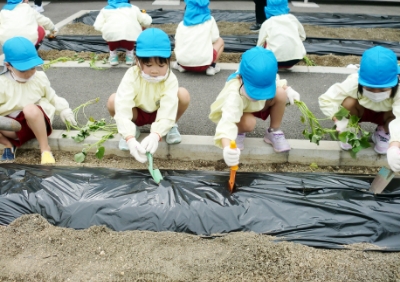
(27, 97)
(149, 94)
(372, 94)
(283, 34)
(17, 18)
(197, 42)
(120, 24)
(251, 92)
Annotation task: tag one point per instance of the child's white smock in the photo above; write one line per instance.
(284, 35)
(229, 107)
(135, 92)
(22, 21)
(122, 23)
(14, 96)
(331, 100)
(194, 44)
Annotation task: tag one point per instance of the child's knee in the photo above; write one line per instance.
(32, 111)
(247, 122)
(280, 95)
(111, 103)
(183, 95)
(349, 102)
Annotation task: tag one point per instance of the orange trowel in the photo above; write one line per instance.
(381, 180)
(233, 170)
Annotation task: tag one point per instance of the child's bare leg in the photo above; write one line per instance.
(219, 47)
(36, 122)
(111, 107)
(184, 100)
(353, 106)
(4, 140)
(277, 105)
(247, 123)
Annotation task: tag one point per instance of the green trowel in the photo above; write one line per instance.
(155, 173)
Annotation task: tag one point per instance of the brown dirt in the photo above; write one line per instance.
(232, 28)
(34, 250)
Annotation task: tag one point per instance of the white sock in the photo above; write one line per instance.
(113, 53)
(129, 53)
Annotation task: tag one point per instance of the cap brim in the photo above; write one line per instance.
(154, 53)
(27, 65)
(391, 84)
(257, 93)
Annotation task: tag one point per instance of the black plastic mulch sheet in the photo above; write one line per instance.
(320, 210)
(324, 19)
(320, 46)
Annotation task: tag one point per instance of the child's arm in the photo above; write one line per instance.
(45, 22)
(100, 21)
(143, 18)
(263, 34)
(330, 101)
(166, 114)
(214, 30)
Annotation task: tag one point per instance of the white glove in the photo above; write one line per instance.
(292, 95)
(150, 143)
(136, 150)
(231, 156)
(393, 157)
(341, 125)
(68, 115)
(54, 32)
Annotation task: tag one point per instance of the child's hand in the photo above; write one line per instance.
(150, 143)
(231, 156)
(68, 115)
(341, 125)
(393, 157)
(292, 95)
(53, 33)
(136, 150)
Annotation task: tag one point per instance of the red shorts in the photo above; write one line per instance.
(124, 44)
(144, 118)
(201, 68)
(374, 117)
(263, 114)
(41, 34)
(26, 134)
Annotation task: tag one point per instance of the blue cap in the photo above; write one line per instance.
(276, 8)
(378, 68)
(21, 54)
(153, 42)
(258, 69)
(11, 4)
(196, 12)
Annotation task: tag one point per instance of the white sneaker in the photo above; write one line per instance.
(178, 67)
(213, 70)
(381, 140)
(38, 8)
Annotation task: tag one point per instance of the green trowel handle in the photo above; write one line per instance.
(155, 173)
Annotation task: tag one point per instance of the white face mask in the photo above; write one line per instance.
(378, 96)
(20, 79)
(154, 79)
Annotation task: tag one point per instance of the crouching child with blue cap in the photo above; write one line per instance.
(17, 18)
(149, 94)
(198, 45)
(372, 94)
(120, 24)
(27, 97)
(251, 92)
(283, 34)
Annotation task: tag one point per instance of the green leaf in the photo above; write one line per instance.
(80, 157)
(100, 152)
(78, 138)
(342, 113)
(64, 135)
(334, 135)
(313, 166)
(302, 119)
(364, 143)
(343, 136)
(92, 119)
(315, 139)
(354, 120)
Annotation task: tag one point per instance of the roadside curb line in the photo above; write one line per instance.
(194, 147)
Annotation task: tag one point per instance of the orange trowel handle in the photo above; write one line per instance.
(233, 170)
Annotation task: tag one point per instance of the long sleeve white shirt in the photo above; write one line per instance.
(121, 24)
(22, 21)
(330, 102)
(229, 107)
(284, 35)
(14, 96)
(135, 92)
(194, 44)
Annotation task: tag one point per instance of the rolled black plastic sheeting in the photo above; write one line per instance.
(161, 16)
(320, 210)
(320, 46)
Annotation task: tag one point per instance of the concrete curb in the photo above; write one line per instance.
(194, 147)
